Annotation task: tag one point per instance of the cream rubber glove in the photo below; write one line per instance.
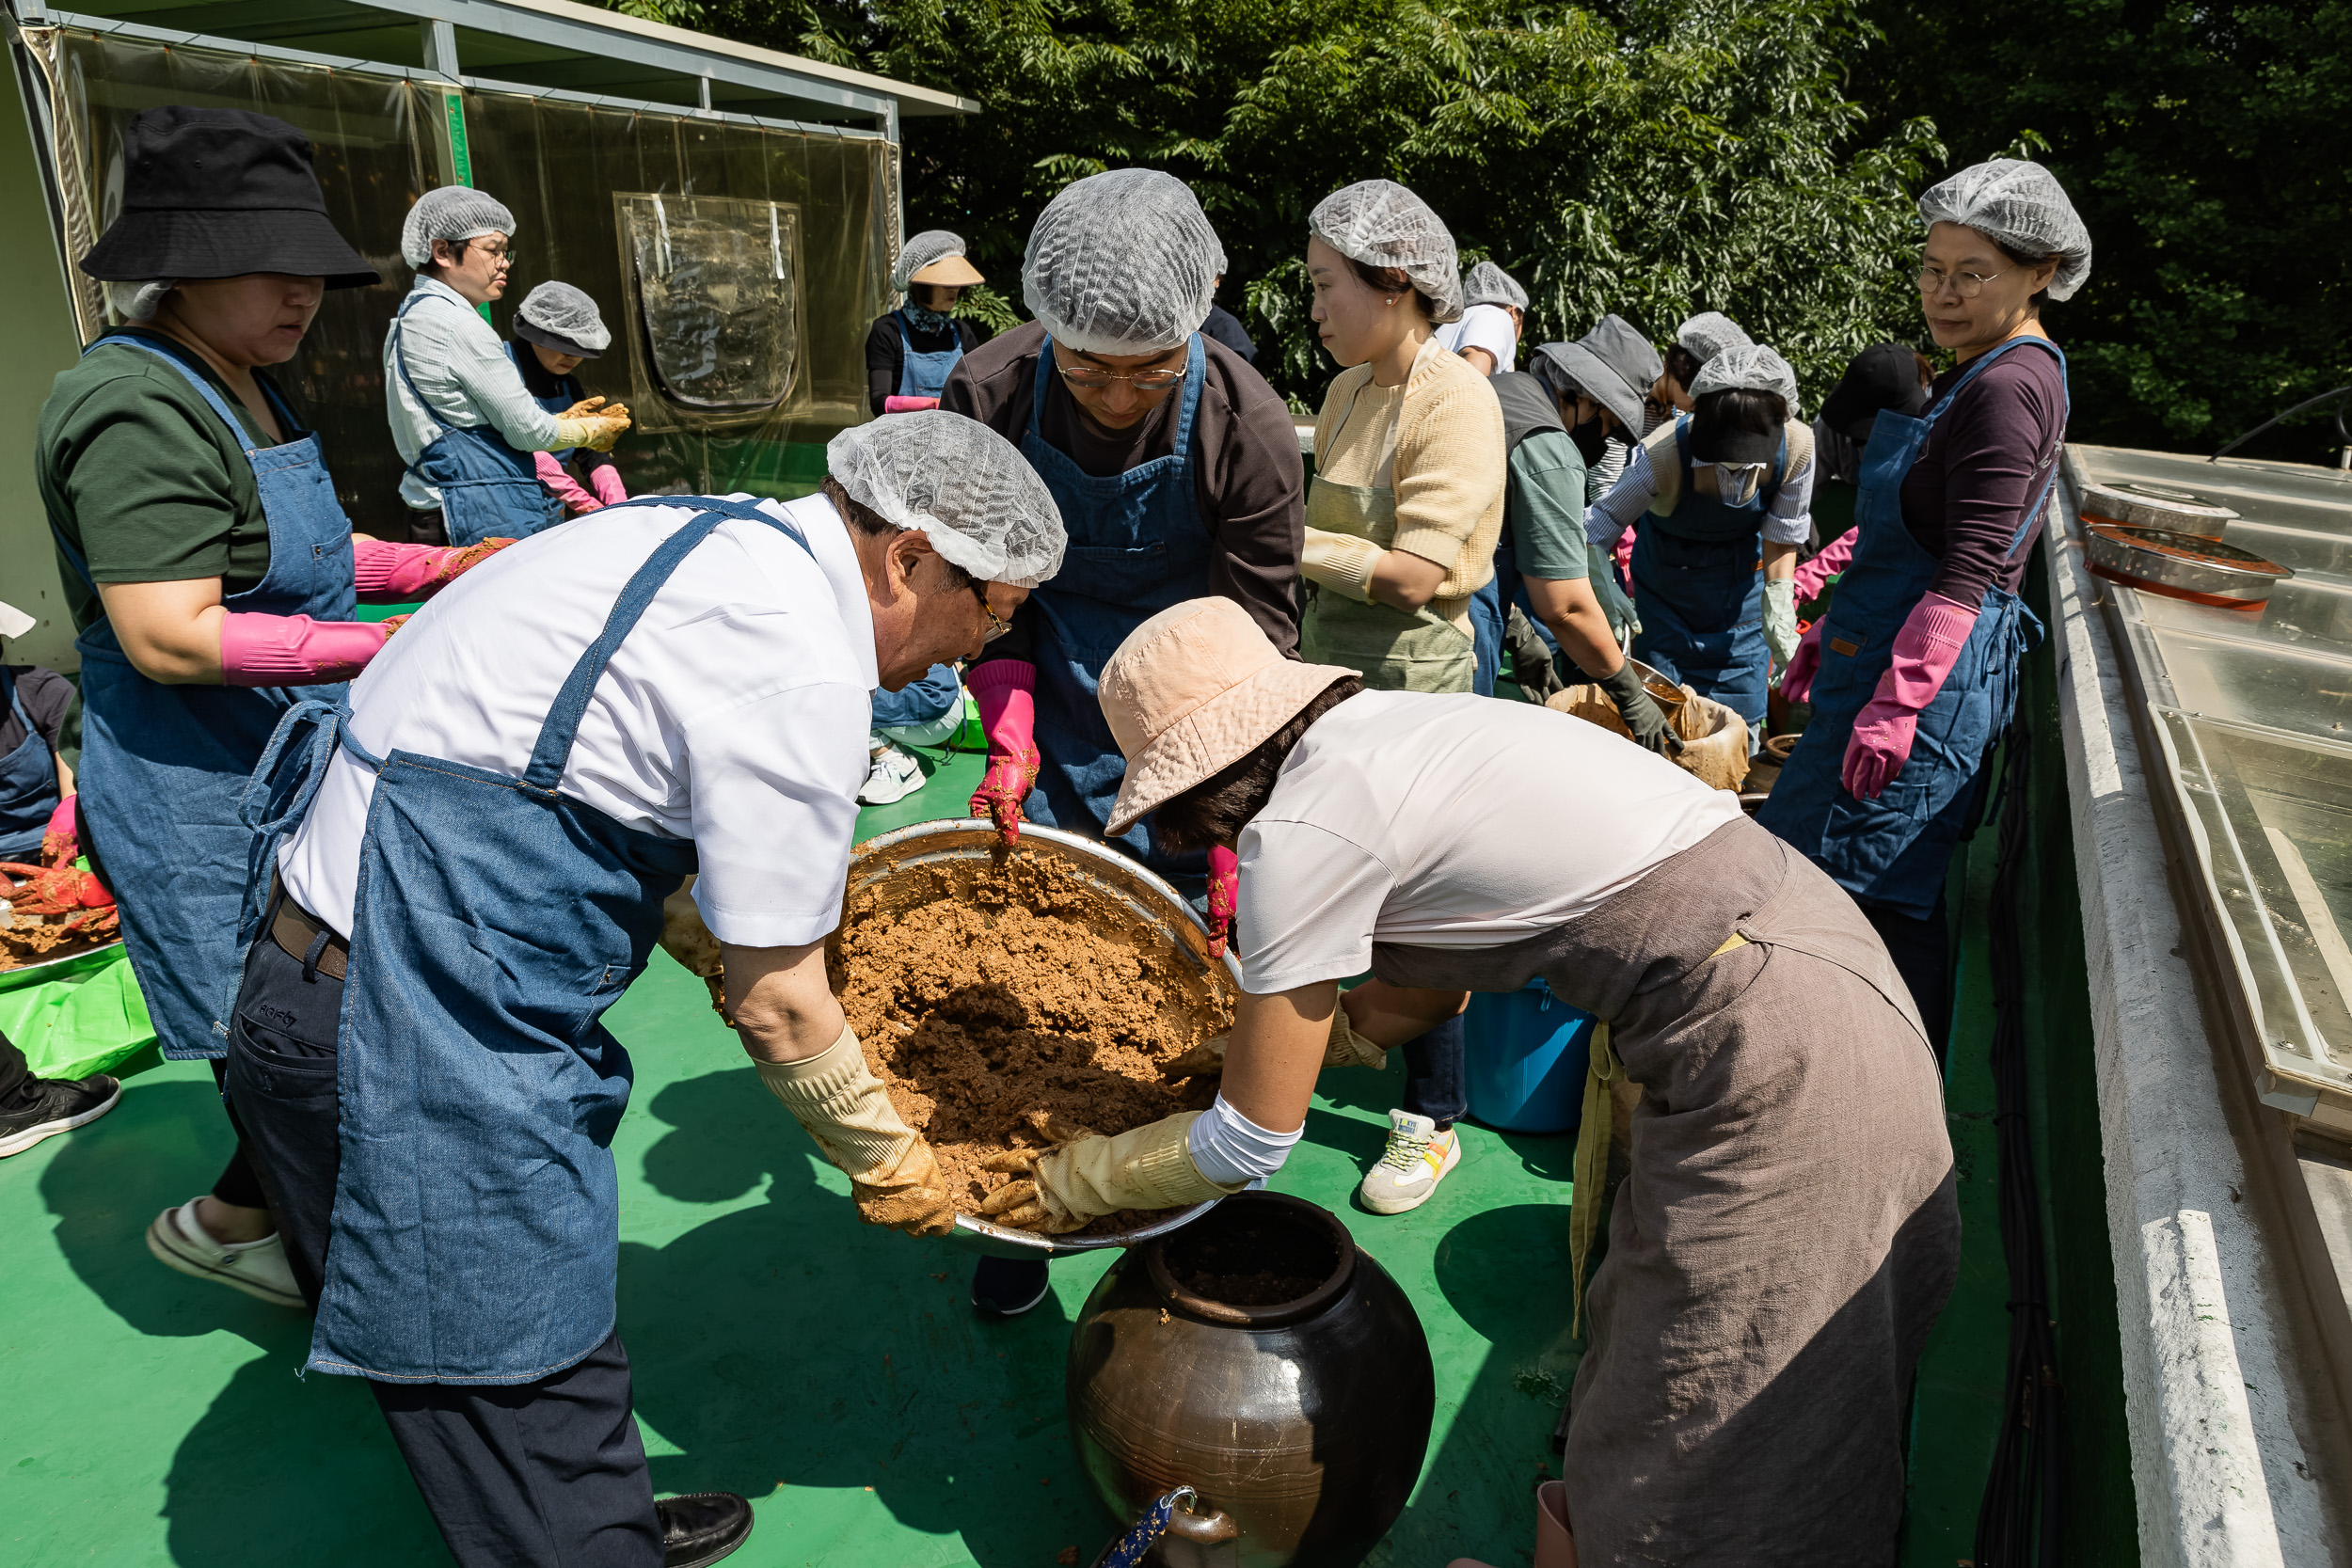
(1780, 619)
(1150, 1168)
(893, 1176)
(1342, 563)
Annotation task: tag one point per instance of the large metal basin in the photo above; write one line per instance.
(922, 862)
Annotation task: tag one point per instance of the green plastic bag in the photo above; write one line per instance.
(80, 1023)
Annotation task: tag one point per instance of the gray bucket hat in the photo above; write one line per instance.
(1613, 363)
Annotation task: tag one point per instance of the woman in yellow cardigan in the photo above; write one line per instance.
(1407, 501)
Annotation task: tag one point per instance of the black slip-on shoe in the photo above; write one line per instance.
(1008, 1287)
(56, 1106)
(701, 1527)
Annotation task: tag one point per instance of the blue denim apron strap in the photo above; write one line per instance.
(1136, 544)
(925, 375)
(28, 783)
(1699, 593)
(1895, 850)
(164, 768)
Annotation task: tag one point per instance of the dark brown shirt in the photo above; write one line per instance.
(1987, 459)
(1250, 484)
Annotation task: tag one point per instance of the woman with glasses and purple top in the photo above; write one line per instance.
(1177, 472)
(1912, 674)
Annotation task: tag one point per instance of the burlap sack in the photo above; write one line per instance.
(1714, 739)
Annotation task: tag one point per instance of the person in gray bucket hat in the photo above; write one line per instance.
(1600, 379)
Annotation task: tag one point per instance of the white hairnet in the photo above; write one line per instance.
(963, 485)
(563, 311)
(1710, 332)
(1121, 262)
(1751, 366)
(138, 302)
(1381, 224)
(452, 213)
(930, 246)
(2020, 205)
(1488, 284)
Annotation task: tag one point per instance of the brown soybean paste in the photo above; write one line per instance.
(1011, 1000)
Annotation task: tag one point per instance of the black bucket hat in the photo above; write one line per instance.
(1883, 376)
(219, 193)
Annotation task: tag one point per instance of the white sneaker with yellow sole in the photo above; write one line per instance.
(1416, 1160)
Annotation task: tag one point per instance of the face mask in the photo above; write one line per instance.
(1590, 439)
(1736, 483)
(927, 320)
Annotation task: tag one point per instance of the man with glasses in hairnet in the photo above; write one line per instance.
(466, 426)
(1177, 472)
(473, 862)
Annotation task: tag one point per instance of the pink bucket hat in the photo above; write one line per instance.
(1192, 691)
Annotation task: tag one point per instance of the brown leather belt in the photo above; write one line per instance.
(297, 931)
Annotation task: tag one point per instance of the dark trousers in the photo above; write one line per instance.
(1433, 1074)
(16, 1078)
(1922, 950)
(548, 1473)
(427, 527)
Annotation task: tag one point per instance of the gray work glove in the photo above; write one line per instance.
(1640, 711)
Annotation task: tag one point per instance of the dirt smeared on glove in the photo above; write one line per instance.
(1010, 999)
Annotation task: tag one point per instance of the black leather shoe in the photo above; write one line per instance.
(1008, 1287)
(702, 1527)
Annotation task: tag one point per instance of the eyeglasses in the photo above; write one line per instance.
(996, 625)
(497, 253)
(1143, 381)
(1967, 285)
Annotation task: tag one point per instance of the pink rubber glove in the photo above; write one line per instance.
(1925, 651)
(61, 841)
(1224, 892)
(1796, 682)
(1005, 690)
(896, 405)
(402, 574)
(1813, 575)
(560, 482)
(294, 650)
(605, 480)
(1623, 555)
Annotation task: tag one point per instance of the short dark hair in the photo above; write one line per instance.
(1682, 365)
(875, 525)
(1215, 810)
(1394, 280)
(2026, 258)
(1736, 409)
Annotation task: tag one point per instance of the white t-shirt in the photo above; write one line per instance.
(734, 713)
(1450, 821)
(1486, 326)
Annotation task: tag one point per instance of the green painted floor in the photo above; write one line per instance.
(834, 1373)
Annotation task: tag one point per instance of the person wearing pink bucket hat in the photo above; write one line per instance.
(1788, 1230)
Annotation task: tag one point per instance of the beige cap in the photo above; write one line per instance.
(1192, 691)
(950, 271)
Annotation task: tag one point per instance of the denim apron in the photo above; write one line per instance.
(924, 376)
(476, 1230)
(1895, 850)
(1699, 594)
(1137, 545)
(568, 393)
(28, 784)
(488, 489)
(162, 765)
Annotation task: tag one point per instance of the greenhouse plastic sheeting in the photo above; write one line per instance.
(778, 360)
(85, 1022)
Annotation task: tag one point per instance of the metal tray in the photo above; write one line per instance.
(63, 968)
(2137, 503)
(2182, 566)
(1149, 911)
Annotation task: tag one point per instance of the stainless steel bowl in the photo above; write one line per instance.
(921, 863)
(2182, 566)
(2134, 503)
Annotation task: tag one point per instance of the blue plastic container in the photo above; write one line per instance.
(1527, 1055)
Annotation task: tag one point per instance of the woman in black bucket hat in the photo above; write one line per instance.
(210, 571)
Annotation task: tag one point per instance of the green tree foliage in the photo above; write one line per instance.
(2205, 146)
(1665, 157)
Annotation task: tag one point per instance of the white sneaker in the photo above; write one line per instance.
(259, 1269)
(894, 776)
(1416, 1160)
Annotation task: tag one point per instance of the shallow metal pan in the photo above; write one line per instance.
(2134, 503)
(2181, 565)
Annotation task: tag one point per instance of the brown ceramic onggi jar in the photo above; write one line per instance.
(1259, 1357)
